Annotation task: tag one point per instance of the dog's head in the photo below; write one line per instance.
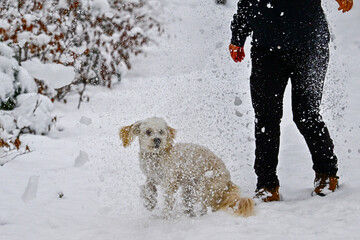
(154, 135)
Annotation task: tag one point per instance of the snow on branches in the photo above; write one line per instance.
(15, 80)
(96, 37)
(22, 109)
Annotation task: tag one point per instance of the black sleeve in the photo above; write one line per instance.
(240, 26)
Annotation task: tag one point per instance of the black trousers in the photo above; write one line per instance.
(271, 71)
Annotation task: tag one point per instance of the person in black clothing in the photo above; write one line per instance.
(289, 40)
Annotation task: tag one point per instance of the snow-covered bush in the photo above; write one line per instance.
(33, 113)
(14, 79)
(22, 108)
(96, 37)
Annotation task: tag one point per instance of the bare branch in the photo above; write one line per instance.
(2, 163)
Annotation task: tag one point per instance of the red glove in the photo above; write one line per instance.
(345, 5)
(237, 53)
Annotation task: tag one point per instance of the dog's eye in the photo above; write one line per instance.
(148, 132)
(161, 132)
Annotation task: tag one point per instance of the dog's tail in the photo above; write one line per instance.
(232, 202)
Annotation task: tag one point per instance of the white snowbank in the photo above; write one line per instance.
(54, 75)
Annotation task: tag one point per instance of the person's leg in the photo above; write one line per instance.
(307, 86)
(268, 82)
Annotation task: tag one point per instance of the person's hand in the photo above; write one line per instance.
(237, 53)
(345, 5)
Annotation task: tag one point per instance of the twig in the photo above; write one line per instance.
(37, 105)
(61, 92)
(5, 162)
(81, 94)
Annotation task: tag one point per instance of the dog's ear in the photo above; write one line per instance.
(128, 133)
(171, 137)
(172, 133)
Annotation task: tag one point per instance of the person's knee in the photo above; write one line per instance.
(267, 121)
(307, 121)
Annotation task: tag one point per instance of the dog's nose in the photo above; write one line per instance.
(157, 141)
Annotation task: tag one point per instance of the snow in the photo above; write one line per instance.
(6, 51)
(209, 174)
(99, 6)
(7, 122)
(54, 75)
(33, 111)
(85, 120)
(31, 189)
(237, 101)
(12, 75)
(189, 79)
(27, 83)
(7, 76)
(81, 159)
(16, 79)
(7, 88)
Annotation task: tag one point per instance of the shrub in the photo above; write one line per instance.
(96, 37)
(14, 79)
(22, 108)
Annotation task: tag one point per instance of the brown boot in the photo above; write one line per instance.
(325, 184)
(268, 194)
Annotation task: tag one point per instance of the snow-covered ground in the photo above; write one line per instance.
(80, 183)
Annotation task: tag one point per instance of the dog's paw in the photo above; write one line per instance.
(166, 214)
(189, 213)
(149, 194)
(150, 204)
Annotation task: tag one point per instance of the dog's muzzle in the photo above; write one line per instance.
(157, 142)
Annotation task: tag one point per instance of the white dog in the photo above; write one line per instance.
(202, 176)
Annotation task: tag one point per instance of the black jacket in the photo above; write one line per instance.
(279, 24)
